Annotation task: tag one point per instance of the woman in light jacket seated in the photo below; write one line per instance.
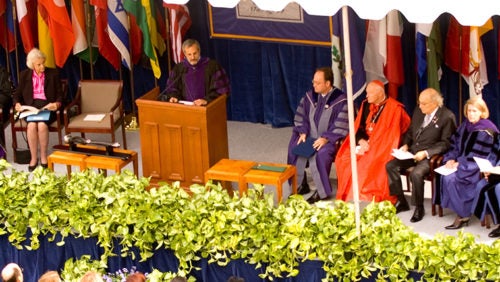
(474, 138)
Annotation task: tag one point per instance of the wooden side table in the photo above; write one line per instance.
(276, 178)
(230, 170)
(67, 158)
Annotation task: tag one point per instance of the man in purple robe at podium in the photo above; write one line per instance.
(196, 79)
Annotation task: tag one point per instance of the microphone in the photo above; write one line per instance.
(162, 96)
(80, 140)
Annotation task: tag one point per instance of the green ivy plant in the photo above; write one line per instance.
(207, 223)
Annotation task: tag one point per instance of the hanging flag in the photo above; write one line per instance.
(464, 53)
(142, 12)
(136, 40)
(106, 47)
(434, 57)
(45, 42)
(118, 28)
(180, 22)
(56, 17)
(81, 46)
(7, 26)
(27, 18)
(158, 25)
(422, 32)
(338, 54)
(383, 57)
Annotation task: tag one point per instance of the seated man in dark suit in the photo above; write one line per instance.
(431, 126)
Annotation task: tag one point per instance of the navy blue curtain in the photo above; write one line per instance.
(268, 79)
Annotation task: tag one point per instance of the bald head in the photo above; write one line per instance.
(375, 92)
(429, 100)
(12, 273)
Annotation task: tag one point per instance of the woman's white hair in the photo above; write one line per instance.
(32, 55)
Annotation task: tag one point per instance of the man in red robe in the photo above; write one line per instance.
(379, 126)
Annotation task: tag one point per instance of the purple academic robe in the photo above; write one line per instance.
(470, 140)
(318, 116)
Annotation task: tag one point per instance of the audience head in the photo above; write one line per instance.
(429, 100)
(136, 277)
(375, 92)
(12, 273)
(35, 60)
(323, 80)
(50, 276)
(475, 108)
(91, 276)
(191, 50)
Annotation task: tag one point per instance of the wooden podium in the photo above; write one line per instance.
(180, 142)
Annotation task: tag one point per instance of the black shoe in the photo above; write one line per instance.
(314, 198)
(495, 233)
(458, 223)
(303, 189)
(44, 165)
(402, 207)
(418, 214)
(31, 168)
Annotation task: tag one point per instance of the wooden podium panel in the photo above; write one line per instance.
(180, 142)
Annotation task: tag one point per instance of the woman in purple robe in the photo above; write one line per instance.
(474, 138)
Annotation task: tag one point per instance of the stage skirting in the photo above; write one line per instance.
(52, 257)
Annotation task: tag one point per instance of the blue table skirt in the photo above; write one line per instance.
(52, 257)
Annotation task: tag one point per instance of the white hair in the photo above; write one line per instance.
(33, 55)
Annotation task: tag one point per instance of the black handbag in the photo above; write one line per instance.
(23, 156)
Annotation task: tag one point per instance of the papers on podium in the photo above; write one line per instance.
(402, 155)
(485, 166)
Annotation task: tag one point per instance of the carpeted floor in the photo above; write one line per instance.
(260, 142)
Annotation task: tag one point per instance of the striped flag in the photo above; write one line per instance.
(106, 47)
(45, 42)
(27, 18)
(56, 17)
(118, 28)
(7, 26)
(142, 12)
(180, 22)
(338, 54)
(81, 46)
(383, 57)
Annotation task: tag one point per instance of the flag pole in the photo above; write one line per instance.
(133, 124)
(350, 111)
(460, 73)
(169, 47)
(89, 38)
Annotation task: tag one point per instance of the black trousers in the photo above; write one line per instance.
(417, 175)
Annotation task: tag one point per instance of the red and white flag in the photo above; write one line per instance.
(27, 18)
(383, 57)
(180, 22)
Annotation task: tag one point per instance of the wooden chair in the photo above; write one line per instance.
(96, 97)
(20, 124)
(435, 162)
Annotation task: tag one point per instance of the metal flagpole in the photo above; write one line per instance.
(90, 38)
(350, 110)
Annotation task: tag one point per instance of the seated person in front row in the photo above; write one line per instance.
(322, 116)
(487, 193)
(379, 126)
(196, 79)
(431, 126)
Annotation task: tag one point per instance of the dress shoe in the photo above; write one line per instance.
(44, 165)
(31, 168)
(303, 189)
(458, 223)
(418, 214)
(495, 233)
(401, 207)
(314, 198)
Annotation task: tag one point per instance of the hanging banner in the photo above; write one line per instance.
(292, 24)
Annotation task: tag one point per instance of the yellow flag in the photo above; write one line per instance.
(45, 42)
(153, 33)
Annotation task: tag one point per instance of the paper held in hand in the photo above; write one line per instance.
(443, 170)
(28, 111)
(402, 155)
(485, 166)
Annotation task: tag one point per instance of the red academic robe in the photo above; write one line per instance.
(372, 177)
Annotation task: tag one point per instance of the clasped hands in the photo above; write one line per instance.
(318, 143)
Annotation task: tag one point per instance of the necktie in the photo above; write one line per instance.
(427, 119)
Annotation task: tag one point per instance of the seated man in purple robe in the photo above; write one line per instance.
(321, 118)
(196, 79)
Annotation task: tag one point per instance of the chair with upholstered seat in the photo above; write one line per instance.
(435, 162)
(97, 108)
(19, 125)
